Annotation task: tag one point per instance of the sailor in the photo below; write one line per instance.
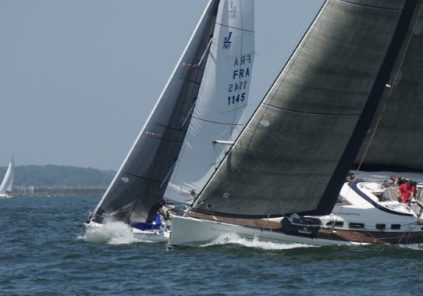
(351, 177)
(404, 192)
(155, 210)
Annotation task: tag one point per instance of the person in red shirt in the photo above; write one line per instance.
(406, 191)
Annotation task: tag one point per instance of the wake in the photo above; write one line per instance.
(112, 233)
(415, 247)
(235, 239)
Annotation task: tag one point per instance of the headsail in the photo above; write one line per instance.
(141, 181)
(299, 145)
(222, 98)
(7, 183)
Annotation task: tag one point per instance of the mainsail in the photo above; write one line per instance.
(395, 139)
(7, 183)
(295, 152)
(142, 179)
(221, 100)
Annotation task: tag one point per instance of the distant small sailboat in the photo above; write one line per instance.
(7, 183)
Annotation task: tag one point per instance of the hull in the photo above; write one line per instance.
(188, 231)
(366, 215)
(5, 195)
(154, 235)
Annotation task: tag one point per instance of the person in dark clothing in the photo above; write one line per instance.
(413, 189)
(154, 211)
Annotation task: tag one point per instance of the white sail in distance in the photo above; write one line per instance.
(7, 183)
(221, 100)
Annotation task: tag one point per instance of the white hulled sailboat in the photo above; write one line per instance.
(6, 186)
(283, 179)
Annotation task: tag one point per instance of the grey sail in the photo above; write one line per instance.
(141, 181)
(395, 139)
(295, 152)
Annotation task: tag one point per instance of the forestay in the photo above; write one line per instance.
(142, 179)
(296, 150)
(221, 100)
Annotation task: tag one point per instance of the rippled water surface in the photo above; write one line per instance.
(42, 253)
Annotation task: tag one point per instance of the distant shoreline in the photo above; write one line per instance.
(58, 180)
(59, 192)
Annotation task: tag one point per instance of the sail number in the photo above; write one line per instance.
(237, 90)
(236, 98)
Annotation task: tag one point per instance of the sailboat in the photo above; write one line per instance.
(284, 178)
(207, 89)
(7, 183)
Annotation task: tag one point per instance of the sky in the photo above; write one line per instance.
(78, 78)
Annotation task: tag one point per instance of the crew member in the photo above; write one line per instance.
(404, 192)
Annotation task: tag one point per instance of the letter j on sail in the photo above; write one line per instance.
(227, 41)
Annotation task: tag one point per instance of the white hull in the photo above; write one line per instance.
(155, 236)
(187, 231)
(5, 195)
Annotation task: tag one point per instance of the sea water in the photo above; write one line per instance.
(43, 251)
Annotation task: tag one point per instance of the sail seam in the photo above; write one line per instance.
(177, 129)
(217, 122)
(370, 6)
(144, 178)
(232, 27)
(161, 138)
(311, 113)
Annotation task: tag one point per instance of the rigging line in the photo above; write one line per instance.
(202, 56)
(388, 94)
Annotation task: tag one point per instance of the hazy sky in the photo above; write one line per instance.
(78, 78)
